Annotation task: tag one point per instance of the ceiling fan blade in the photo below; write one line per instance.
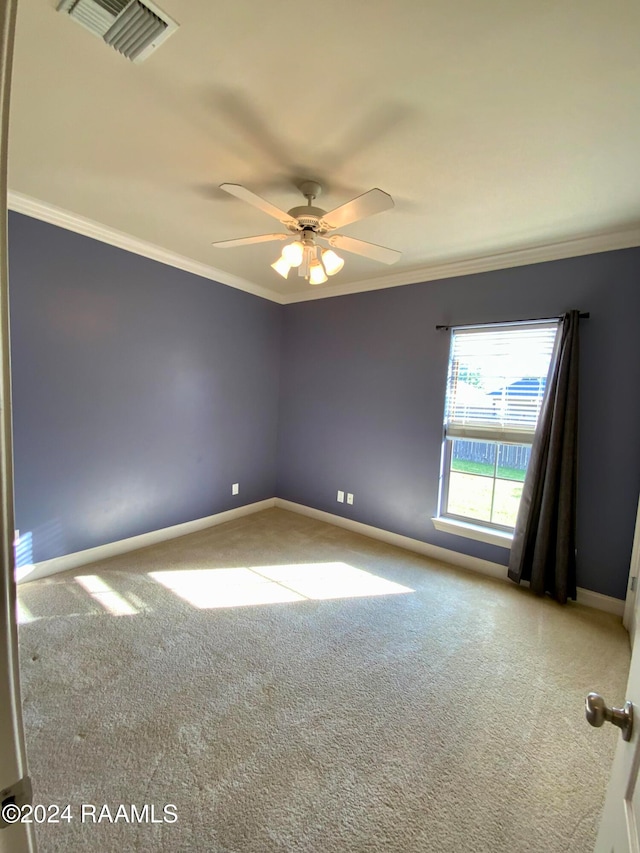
(257, 201)
(367, 250)
(247, 241)
(374, 201)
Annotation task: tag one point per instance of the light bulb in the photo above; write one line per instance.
(282, 266)
(316, 273)
(293, 253)
(332, 263)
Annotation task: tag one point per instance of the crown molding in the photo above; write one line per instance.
(46, 212)
(607, 242)
(627, 239)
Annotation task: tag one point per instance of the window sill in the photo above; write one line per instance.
(473, 531)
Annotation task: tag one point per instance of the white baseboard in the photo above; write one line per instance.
(601, 602)
(133, 543)
(443, 555)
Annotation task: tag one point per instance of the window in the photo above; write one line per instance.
(495, 386)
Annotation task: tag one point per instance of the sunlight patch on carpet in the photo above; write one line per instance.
(23, 614)
(105, 596)
(244, 586)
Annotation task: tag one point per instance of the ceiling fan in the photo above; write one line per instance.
(311, 227)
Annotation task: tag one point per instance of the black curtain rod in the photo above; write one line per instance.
(583, 316)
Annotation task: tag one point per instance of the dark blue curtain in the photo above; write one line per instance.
(543, 551)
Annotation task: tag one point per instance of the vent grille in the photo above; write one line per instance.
(132, 28)
(96, 17)
(114, 6)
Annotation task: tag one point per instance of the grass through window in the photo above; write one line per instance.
(486, 470)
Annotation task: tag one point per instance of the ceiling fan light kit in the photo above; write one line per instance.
(293, 253)
(332, 263)
(282, 266)
(312, 266)
(310, 225)
(317, 274)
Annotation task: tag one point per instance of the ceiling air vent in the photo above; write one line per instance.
(133, 28)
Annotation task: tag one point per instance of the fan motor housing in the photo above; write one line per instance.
(307, 210)
(307, 215)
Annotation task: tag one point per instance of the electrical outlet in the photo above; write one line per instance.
(340, 497)
(349, 498)
(235, 488)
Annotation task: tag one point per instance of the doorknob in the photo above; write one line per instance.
(597, 713)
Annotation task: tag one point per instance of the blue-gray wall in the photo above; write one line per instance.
(140, 392)
(362, 396)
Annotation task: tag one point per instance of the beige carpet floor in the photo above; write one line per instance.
(290, 686)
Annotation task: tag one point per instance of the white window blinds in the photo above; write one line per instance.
(496, 380)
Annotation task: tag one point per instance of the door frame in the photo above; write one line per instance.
(18, 837)
(629, 617)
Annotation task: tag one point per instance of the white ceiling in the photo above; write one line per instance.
(497, 127)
